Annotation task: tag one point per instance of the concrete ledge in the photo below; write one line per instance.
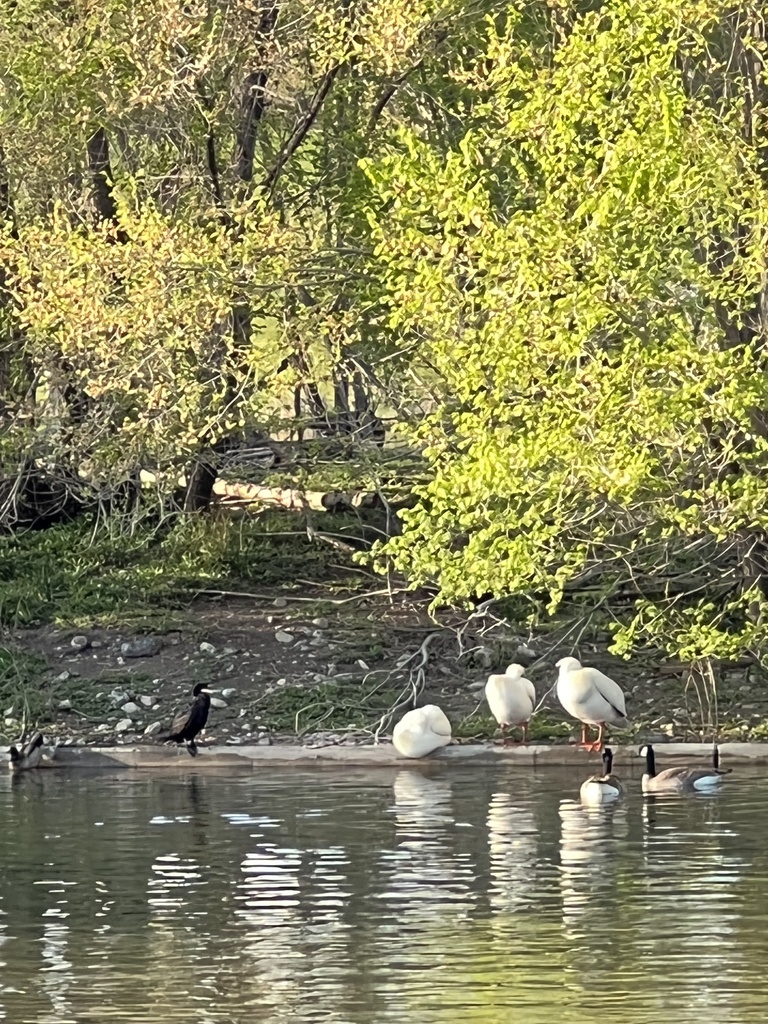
(243, 759)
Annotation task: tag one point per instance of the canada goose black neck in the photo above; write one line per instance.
(715, 757)
(607, 761)
(197, 689)
(650, 761)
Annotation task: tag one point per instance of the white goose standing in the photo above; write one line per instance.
(511, 698)
(592, 697)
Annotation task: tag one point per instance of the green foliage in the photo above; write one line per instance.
(584, 273)
(533, 232)
(81, 575)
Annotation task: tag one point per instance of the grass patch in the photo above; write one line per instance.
(326, 706)
(544, 726)
(76, 575)
(24, 701)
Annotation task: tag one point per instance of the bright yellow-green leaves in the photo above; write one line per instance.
(576, 271)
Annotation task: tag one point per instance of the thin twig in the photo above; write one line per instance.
(308, 600)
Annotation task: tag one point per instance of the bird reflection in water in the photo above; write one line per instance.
(57, 976)
(588, 841)
(268, 909)
(512, 845)
(426, 873)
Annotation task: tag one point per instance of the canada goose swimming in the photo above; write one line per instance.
(681, 780)
(187, 724)
(590, 696)
(511, 698)
(421, 731)
(602, 789)
(30, 755)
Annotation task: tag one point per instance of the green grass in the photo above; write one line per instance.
(23, 699)
(544, 726)
(327, 706)
(75, 575)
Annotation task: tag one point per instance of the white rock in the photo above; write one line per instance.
(474, 687)
(148, 702)
(280, 602)
(62, 677)
(124, 725)
(152, 728)
(79, 642)
(207, 648)
(130, 708)
(284, 638)
(117, 697)
(281, 682)
(230, 691)
(65, 705)
(321, 623)
(229, 651)
(363, 665)
(217, 702)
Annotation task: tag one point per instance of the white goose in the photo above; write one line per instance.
(590, 696)
(421, 731)
(511, 698)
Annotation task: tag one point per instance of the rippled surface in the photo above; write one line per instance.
(385, 895)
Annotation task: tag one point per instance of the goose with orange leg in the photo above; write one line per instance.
(591, 697)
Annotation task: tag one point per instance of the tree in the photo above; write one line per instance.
(584, 277)
(184, 249)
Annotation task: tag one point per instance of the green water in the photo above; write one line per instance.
(378, 896)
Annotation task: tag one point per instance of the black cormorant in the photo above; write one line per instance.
(187, 724)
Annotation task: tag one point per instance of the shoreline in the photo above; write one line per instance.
(248, 758)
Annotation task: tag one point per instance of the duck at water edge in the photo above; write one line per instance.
(682, 779)
(187, 724)
(421, 731)
(511, 698)
(602, 789)
(30, 755)
(592, 697)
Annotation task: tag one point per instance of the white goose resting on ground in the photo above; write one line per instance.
(421, 731)
(592, 697)
(511, 698)
(682, 779)
(602, 789)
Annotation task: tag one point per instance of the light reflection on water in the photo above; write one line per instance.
(391, 895)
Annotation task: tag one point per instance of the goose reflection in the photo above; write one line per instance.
(588, 841)
(268, 908)
(424, 873)
(689, 909)
(512, 843)
(56, 976)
